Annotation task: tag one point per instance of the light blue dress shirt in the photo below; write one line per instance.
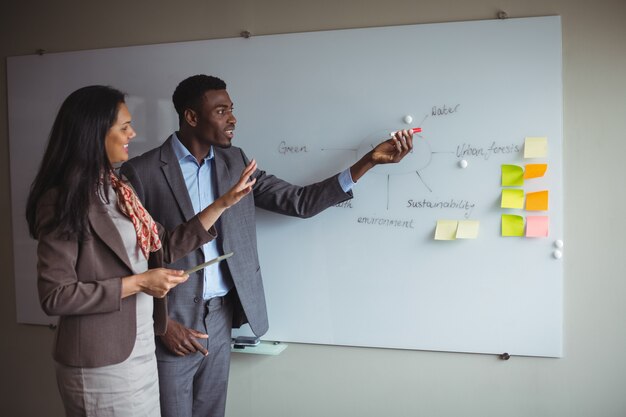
(201, 187)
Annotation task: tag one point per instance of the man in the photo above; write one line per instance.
(194, 166)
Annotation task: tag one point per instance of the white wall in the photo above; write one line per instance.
(338, 381)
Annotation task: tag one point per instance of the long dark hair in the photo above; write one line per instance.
(75, 159)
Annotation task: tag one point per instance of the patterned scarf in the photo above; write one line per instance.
(145, 227)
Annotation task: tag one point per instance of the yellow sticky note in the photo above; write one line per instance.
(512, 198)
(535, 170)
(512, 176)
(512, 225)
(535, 147)
(537, 226)
(537, 201)
(446, 230)
(467, 229)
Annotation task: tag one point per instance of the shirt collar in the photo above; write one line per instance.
(182, 152)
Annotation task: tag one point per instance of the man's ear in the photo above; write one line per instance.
(191, 117)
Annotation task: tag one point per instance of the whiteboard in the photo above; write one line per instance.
(367, 272)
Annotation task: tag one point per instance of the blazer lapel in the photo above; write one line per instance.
(222, 182)
(105, 229)
(222, 172)
(174, 177)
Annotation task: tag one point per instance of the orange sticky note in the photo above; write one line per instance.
(537, 201)
(535, 170)
(537, 226)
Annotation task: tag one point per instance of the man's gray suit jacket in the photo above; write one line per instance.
(157, 178)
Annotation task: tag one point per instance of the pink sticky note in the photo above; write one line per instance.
(537, 226)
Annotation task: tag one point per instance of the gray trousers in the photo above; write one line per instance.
(196, 385)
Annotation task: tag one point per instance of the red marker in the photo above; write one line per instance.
(412, 130)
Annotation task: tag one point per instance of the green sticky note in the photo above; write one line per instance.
(512, 225)
(446, 230)
(512, 176)
(512, 198)
(467, 229)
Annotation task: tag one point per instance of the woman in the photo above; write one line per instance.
(95, 242)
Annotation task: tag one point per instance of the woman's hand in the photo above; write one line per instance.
(210, 214)
(155, 282)
(239, 190)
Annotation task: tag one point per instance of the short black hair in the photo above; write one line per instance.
(188, 94)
